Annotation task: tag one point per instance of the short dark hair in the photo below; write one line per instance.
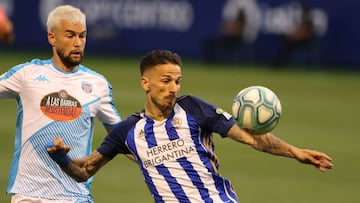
(156, 57)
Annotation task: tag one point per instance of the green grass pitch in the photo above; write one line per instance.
(320, 110)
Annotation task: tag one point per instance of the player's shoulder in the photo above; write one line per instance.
(186, 97)
(195, 105)
(100, 79)
(90, 71)
(128, 123)
(132, 119)
(29, 64)
(35, 61)
(189, 99)
(135, 117)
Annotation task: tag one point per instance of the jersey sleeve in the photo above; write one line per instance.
(115, 142)
(11, 81)
(108, 113)
(210, 117)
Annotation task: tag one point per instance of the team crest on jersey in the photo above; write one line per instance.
(177, 122)
(60, 106)
(86, 87)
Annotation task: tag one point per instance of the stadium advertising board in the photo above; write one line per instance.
(132, 27)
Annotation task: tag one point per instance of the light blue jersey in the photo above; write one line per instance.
(54, 103)
(176, 155)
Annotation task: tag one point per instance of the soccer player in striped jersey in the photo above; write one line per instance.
(171, 139)
(56, 97)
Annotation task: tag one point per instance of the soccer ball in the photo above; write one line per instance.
(257, 109)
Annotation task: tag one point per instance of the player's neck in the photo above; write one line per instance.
(58, 63)
(155, 113)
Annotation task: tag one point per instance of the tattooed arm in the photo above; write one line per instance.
(273, 145)
(79, 169)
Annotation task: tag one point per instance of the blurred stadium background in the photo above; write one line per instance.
(319, 88)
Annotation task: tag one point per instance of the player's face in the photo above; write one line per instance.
(70, 40)
(162, 86)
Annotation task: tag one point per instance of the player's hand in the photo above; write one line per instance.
(318, 159)
(57, 145)
(57, 150)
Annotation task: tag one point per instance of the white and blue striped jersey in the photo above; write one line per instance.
(54, 103)
(176, 155)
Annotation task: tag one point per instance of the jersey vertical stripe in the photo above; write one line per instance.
(196, 180)
(149, 133)
(174, 186)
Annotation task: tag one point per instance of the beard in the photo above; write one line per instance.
(67, 60)
(165, 107)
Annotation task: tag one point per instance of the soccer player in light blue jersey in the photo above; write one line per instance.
(171, 140)
(56, 97)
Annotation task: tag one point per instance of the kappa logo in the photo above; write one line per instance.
(41, 78)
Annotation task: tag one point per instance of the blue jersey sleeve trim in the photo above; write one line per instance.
(115, 142)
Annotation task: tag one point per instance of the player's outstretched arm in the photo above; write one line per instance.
(273, 145)
(79, 169)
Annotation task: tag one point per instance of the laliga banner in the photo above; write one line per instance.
(133, 27)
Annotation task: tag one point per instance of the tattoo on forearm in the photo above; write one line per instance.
(271, 144)
(83, 169)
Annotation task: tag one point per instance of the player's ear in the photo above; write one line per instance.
(51, 38)
(144, 83)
